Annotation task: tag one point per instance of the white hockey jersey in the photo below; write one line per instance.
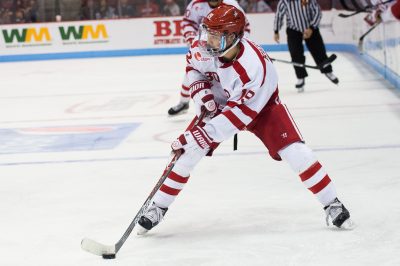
(195, 13)
(241, 88)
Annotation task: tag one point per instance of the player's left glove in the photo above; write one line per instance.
(195, 140)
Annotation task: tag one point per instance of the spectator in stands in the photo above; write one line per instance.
(88, 10)
(19, 16)
(171, 8)
(31, 11)
(126, 9)
(111, 12)
(5, 16)
(243, 4)
(101, 11)
(149, 9)
(257, 6)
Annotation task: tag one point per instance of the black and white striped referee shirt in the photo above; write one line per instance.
(298, 16)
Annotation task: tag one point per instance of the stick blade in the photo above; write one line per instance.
(97, 248)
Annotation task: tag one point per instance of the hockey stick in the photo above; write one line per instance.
(110, 251)
(324, 64)
(364, 10)
(361, 39)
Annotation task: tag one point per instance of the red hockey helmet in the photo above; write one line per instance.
(222, 29)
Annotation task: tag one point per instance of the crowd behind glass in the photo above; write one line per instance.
(28, 11)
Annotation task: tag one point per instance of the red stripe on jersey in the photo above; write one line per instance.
(188, 69)
(244, 108)
(242, 72)
(189, 21)
(185, 95)
(178, 178)
(260, 56)
(311, 171)
(231, 104)
(185, 88)
(234, 119)
(169, 190)
(320, 185)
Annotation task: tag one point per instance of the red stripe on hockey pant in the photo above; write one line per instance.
(178, 178)
(169, 190)
(320, 185)
(234, 119)
(311, 171)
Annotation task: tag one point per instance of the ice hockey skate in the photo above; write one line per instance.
(178, 109)
(332, 77)
(339, 215)
(300, 85)
(151, 218)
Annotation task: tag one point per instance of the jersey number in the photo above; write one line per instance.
(212, 76)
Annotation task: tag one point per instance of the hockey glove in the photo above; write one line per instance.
(200, 92)
(192, 141)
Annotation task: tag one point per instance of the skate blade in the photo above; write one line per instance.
(300, 90)
(179, 113)
(348, 225)
(141, 230)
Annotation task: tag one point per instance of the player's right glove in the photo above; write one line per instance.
(200, 92)
(195, 140)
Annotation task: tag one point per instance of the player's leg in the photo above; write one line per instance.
(183, 104)
(295, 44)
(170, 189)
(279, 133)
(317, 49)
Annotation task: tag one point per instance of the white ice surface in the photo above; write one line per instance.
(239, 208)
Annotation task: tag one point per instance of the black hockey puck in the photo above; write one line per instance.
(108, 256)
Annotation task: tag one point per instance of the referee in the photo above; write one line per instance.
(302, 20)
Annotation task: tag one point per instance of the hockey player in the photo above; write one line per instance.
(383, 12)
(194, 14)
(234, 79)
(391, 13)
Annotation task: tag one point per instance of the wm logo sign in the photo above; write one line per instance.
(83, 32)
(27, 35)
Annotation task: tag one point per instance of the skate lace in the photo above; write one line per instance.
(333, 211)
(154, 214)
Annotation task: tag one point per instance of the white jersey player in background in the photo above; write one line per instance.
(383, 12)
(194, 14)
(234, 79)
